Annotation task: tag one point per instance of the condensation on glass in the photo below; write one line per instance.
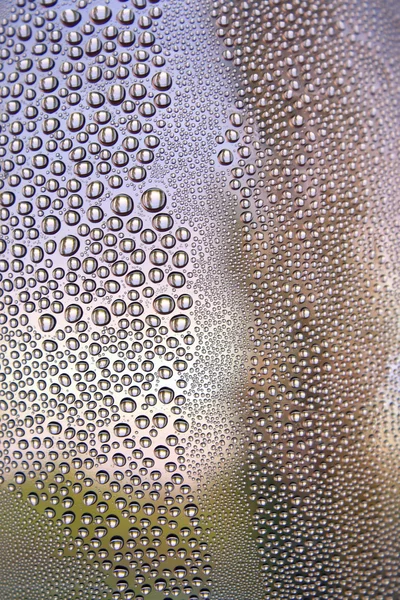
(199, 324)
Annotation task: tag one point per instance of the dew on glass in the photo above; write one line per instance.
(199, 326)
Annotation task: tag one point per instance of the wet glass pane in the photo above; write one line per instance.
(199, 318)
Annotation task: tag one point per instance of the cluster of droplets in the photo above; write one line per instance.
(308, 172)
(198, 328)
(96, 314)
(35, 561)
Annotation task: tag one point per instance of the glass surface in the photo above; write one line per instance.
(199, 319)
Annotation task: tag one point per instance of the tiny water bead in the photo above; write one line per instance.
(122, 205)
(154, 199)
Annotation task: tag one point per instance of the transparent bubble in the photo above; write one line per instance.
(122, 204)
(164, 304)
(153, 199)
(101, 316)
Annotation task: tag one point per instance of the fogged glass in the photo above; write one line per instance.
(199, 300)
